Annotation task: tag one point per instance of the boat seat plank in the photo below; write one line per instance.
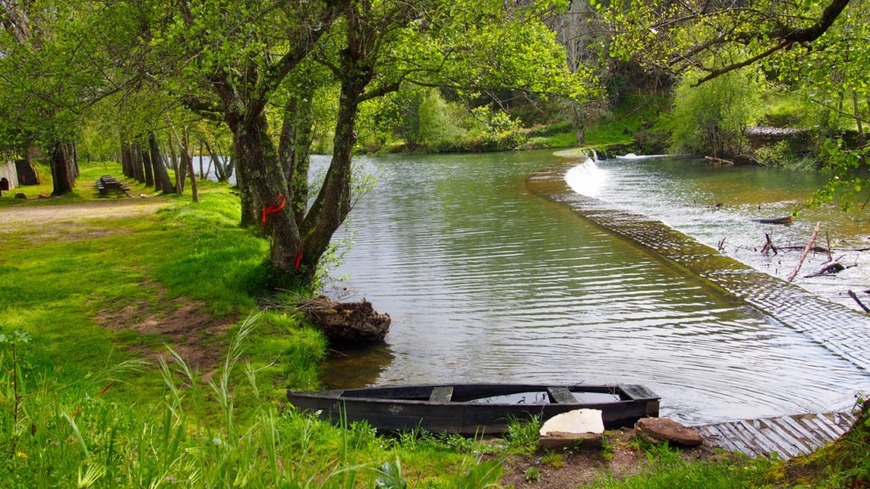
(561, 395)
(441, 393)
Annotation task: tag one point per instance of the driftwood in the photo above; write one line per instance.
(828, 268)
(346, 322)
(718, 161)
(768, 246)
(776, 220)
(812, 241)
(854, 296)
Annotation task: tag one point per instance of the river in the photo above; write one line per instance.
(486, 280)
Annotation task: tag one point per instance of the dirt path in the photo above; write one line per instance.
(98, 209)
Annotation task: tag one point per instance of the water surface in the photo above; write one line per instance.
(487, 282)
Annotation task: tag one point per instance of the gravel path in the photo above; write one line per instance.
(98, 209)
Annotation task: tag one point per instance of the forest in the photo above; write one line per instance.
(259, 86)
(263, 85)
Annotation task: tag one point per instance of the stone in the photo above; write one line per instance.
(566, 430)
(659, 430)
(557, 440)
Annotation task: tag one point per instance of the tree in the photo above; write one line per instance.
(54, 56)
(711, 119)
(715, 37)
(239, 62)
(817, 47)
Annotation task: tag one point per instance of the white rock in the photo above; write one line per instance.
(577, 421)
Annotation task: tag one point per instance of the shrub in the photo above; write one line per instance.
(711, 118)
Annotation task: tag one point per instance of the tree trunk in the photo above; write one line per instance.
(262, 177)
(216, 161)
(332, 204)
(64, 167)
(147, 167)
(175, 162)
(33, 176)
(187, 161)
(294, 150)
(862, 138)
(126, 160)
(162, 182)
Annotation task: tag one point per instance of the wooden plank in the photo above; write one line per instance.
(561, 395)
(737, 438)
(765, 443)
(441, 393)
(789, 436)
(781, 436)
(801, 434)
(635, 391)
(712, 434)
(822, 427)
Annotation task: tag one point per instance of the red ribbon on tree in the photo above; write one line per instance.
(277, 205)
(298, 259)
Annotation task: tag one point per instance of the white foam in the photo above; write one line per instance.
(587, 178)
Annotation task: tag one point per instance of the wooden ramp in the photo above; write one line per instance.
(788, 436)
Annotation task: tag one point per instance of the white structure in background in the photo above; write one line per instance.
(8, 176)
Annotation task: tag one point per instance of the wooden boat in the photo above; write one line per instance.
(475, 409)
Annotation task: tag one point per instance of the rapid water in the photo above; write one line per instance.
(486, 281)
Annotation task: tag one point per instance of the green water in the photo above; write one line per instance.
(486, 281)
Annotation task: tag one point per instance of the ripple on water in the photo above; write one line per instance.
(488, 283)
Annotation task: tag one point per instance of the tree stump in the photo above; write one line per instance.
(346, 322)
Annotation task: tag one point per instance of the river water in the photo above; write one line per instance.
(489, 276)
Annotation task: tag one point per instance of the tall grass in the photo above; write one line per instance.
(62, 436)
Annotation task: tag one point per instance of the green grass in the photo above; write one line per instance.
(83, 405)
(633, 116)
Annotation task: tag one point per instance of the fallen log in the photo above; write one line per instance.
(346, 322)
(812, 241)
(719, 161)
(776, 220)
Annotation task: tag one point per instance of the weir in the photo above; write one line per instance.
(840, 330)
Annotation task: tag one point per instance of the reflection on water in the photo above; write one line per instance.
(488, 283)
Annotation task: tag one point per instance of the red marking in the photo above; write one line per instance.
(298, 259)
(277, 205)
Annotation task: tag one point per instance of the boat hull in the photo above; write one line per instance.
(475, 409)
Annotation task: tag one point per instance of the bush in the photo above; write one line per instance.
(711, 118)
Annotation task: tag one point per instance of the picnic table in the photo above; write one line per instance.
(107, 184)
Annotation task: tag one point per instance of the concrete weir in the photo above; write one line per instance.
(785, 436)
(842, 331)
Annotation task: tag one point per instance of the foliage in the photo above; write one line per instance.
(522, 436)
(784, 154)
(815, 48)
(710, 119)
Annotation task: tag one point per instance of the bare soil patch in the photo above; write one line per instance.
(185, 325)
(37, 215)
(571, 469)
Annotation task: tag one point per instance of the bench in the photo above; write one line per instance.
(107, 184)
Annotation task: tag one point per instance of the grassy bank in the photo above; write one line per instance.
(134, 354)
(135, 351)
